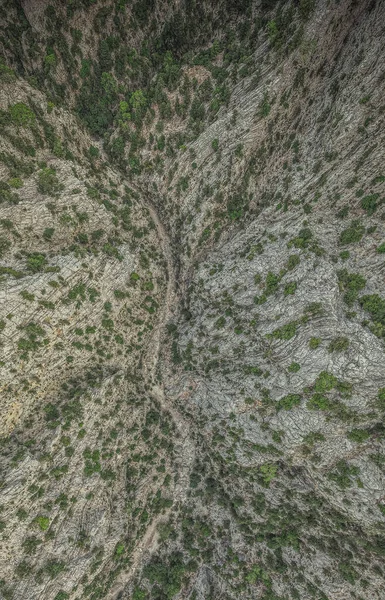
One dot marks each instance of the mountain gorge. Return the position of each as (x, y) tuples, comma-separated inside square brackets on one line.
[(192, 243)]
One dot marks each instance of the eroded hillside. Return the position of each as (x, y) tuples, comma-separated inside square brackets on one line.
[(192, 235)]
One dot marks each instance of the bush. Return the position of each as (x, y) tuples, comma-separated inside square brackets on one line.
[(31, 544), (302, 240), (375, 306), (54, 567), (294, 367), (134, 277), (325, 382), (352, 234), (268, 472), (290, 288), (15, 182), (289, 401), (272, 283), (6, 74), (313, 437), (286, 332), (93, 152), (319, 402), (369, 203), (119, 550), (381, 397), (293, 261), (61, 595), (348, 572), (358, 435), (338, 344), (167, 575), (352, 283), (381, 248), (31, 342), (7, 195), (4, 246), (48, 233), (139, 594), (265, 107), (314, 342), (21, 114), (47, 182), (219, 323), (42, 522), (36, 262)]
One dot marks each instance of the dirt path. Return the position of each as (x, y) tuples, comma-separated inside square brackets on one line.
[(184, 447)]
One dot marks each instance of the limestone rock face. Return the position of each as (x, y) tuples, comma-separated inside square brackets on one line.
[(192, 243)]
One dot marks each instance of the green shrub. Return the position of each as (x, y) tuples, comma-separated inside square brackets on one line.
[(294, 367), (51, 412), (369, 203), (139, 594), (358, 435), (30, 544), (42, 522), (313, 437), (272, 283), (343, 473), (302, 240), (7, 195), (375, 306), (325, 382), (314, 308), (21, 114), (21, 514), (168, 574), (15, 182), (286, 332), (27, 296), (54, 567), (348, 572), (268, 472), (219, 323), (48, 233), (381, 248), (93, 152), (351, 283), (314, 342), (290, 288), (265, 107), (36, 262), (119, 550), (4, 245), (289, 401), (61, 595), (381, 397), (32, 341), (293, 261), (47, 182), (352, 234), (306, 7), (338, 344), (134, 277), (319, 402), (6, 74)]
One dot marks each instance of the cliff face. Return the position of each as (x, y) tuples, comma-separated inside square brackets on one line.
[(192, 326)]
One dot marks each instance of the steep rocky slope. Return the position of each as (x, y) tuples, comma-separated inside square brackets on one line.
[(193, 306)]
